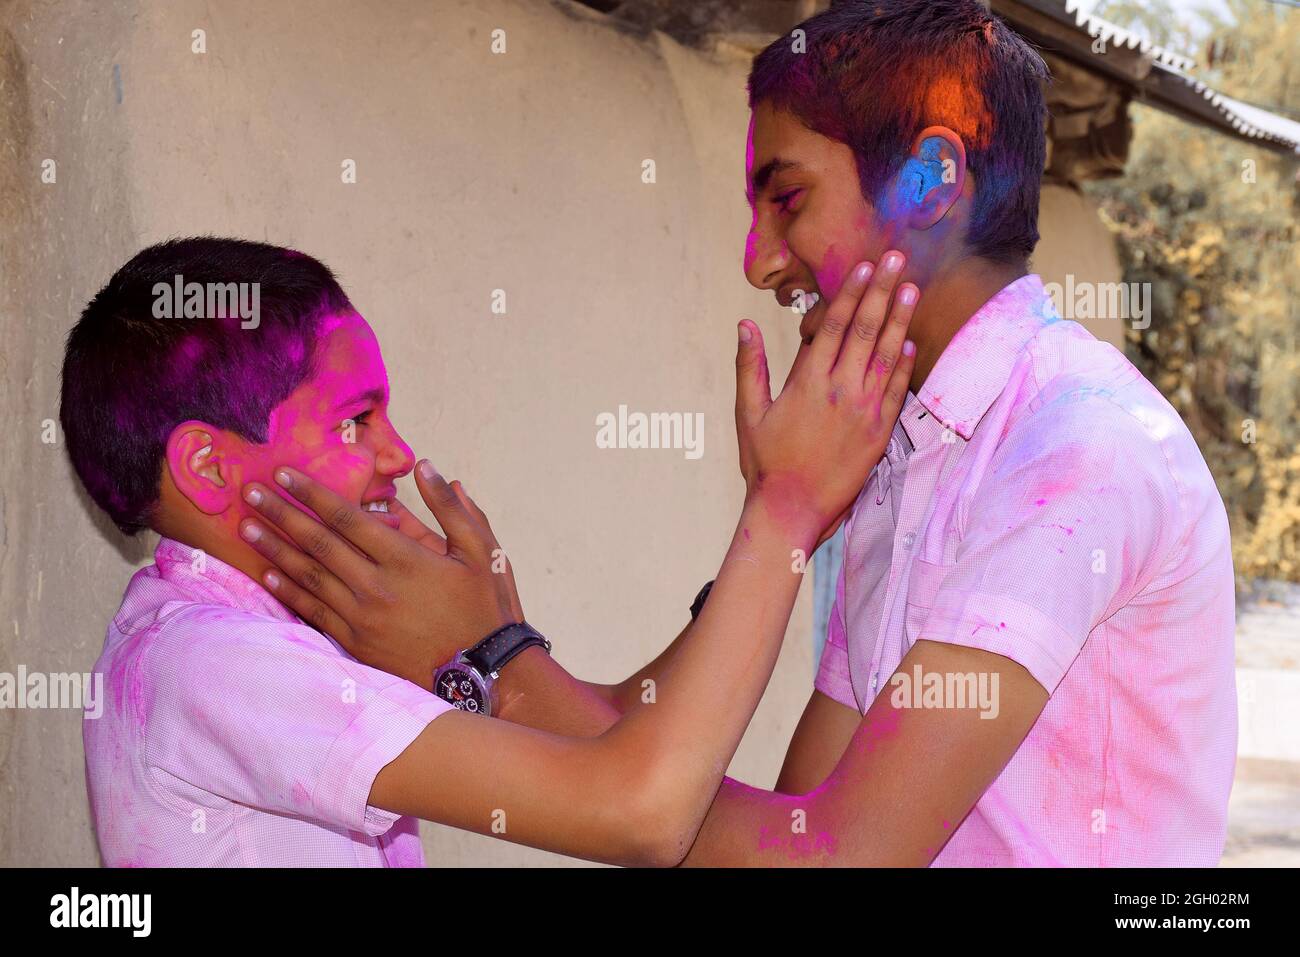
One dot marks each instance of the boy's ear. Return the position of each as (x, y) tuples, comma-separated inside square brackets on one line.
[(196, 462), (932, 177)]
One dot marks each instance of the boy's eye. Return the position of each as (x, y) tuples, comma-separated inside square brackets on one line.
[(361, 418), (784, 200)]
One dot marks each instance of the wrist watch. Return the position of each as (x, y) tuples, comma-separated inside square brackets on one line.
[(469, 680)]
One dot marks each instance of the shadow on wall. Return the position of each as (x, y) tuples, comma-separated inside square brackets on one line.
[(132, 548)]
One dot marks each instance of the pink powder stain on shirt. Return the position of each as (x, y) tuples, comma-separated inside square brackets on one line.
[(405, 853), (1066, 468), (235, 735), (1090, 749), (1069, 530), (125, 688), (138, 706), (115, 686)]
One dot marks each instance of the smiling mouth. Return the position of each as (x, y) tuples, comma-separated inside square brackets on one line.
[(383, 509), (805, 302), (802, 303), (797, 300)]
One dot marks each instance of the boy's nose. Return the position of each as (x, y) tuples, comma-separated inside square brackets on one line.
[(395, 458), (766, 257)]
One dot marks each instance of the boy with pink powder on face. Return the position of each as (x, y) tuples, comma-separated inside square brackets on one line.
[(236, 734), (1030, 658)]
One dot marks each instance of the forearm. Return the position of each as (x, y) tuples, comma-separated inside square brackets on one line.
[(796, 823), (643, 684), (690, 730), (542, 694), (638, 792), (538, 692), (680, 740), (750, 827), (902, 786)]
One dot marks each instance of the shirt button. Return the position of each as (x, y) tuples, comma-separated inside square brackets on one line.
[(909, 539)]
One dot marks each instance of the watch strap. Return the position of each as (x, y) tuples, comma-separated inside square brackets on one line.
[(495, 651), (698, 605)]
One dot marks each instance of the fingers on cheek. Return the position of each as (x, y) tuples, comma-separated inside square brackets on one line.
[(264, 507), (253, 532), (276, 511), (263, 541)]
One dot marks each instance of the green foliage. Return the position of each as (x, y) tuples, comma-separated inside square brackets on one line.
[(1210, 222)]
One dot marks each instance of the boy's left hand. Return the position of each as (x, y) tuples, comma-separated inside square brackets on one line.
[(414, 529), (404, 601)]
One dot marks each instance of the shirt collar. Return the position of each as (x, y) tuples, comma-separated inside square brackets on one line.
[(916, 424), (222, 584), (976, 365)]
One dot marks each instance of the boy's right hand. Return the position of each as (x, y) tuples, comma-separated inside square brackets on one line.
[(807, 455), (397, 600)]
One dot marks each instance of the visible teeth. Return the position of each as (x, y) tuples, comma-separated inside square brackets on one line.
[(377, 507), (804, 301)]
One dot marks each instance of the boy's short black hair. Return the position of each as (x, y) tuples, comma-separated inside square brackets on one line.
[(875, 73), (130, 376)]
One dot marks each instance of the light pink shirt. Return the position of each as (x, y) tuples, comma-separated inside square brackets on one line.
[(1066, 520), (235, 735)]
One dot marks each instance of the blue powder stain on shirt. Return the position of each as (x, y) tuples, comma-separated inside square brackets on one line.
[(117, 82)]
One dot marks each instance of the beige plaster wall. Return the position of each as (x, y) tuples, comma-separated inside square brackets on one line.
[(475, 172)]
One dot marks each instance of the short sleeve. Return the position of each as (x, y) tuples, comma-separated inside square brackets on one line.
[(271, 714), (1076, 511), (833, 671)]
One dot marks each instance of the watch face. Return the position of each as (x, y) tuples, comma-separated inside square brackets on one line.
[(458, 686)]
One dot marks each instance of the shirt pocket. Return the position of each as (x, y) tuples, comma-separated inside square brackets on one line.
[(922, 588)]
